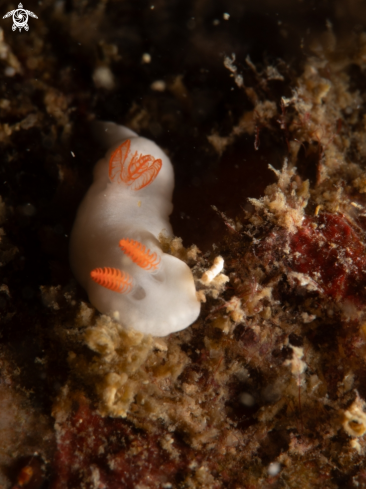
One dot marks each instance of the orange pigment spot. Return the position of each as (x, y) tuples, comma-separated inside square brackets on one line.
[(112, 279), (25, 475), (138, 253), (138, 172)]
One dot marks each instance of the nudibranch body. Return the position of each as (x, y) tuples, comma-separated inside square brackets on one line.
[(115, 253)]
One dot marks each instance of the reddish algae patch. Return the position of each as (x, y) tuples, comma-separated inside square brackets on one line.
[(331, 252), (109, 453)]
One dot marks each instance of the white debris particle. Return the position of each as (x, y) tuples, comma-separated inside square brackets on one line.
[(298, 366), (247, 399), (146, 58), (212, 272), (355, 444), (274, 468), (229, 64), (158, 86), (9, 71), (103, 78)]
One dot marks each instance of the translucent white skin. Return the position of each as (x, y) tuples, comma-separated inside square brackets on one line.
[(160, 302)]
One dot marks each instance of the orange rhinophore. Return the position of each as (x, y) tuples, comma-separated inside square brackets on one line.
[(112, 279), (139, 172), (138, 253)]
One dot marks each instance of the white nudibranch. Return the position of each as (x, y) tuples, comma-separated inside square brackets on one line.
[(115, 253)]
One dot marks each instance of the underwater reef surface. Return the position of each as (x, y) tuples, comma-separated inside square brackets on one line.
[(261, 109)]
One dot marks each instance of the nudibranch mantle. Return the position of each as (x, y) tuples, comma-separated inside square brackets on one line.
[(116, 233)]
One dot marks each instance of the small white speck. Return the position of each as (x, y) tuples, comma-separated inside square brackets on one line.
[(274, 468), (158, 86), (9, 71), (226, 16), (146, 58), (72, 154), (247, 399), (152, 7), (103, 78), (216, 22)]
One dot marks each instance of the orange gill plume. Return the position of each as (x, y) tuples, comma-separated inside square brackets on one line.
[(138, 253), (138, 173), (112, 279)]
